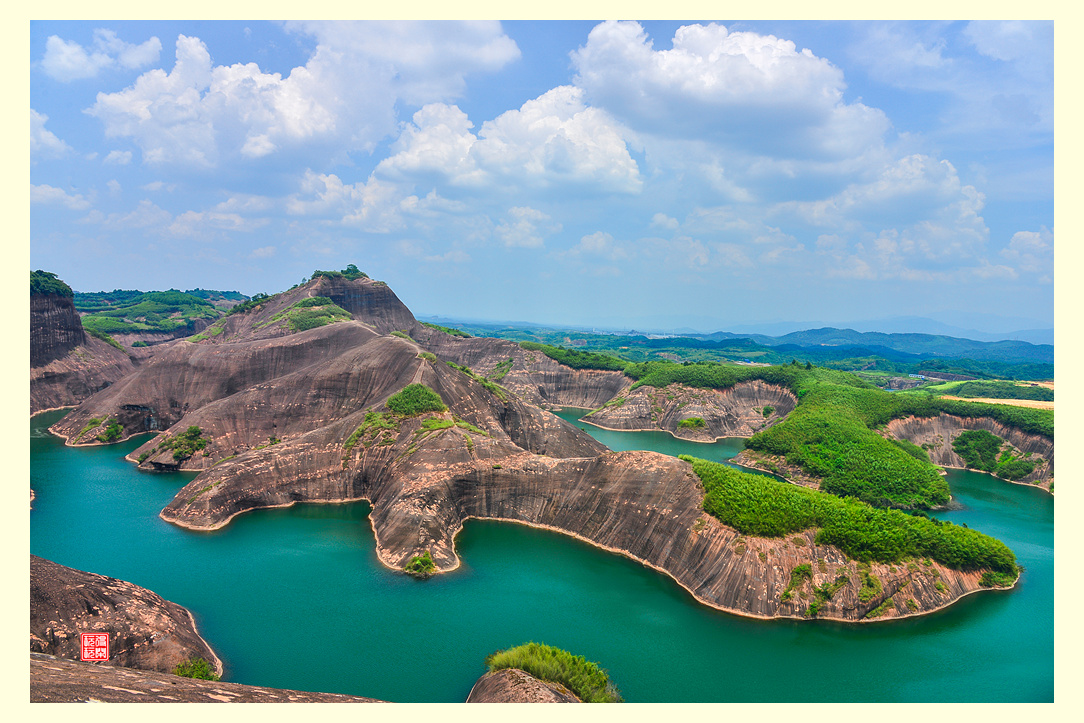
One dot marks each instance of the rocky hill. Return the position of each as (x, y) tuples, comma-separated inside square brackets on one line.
[(306, 397), (66, 364), (739, 411), (144, 630)]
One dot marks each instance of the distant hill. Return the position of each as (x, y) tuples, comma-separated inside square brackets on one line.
[(921, 345), (152, 316)]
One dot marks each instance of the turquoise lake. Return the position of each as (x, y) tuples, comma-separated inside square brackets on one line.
[(295, 598)]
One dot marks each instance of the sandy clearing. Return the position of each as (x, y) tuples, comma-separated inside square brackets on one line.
[(1011, 402)]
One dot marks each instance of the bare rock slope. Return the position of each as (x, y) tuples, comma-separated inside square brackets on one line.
[(288, 417), (740, 411), (516, 686), (57, 680), (145, 631)]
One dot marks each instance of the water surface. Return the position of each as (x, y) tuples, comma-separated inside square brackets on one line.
[(295, 598)]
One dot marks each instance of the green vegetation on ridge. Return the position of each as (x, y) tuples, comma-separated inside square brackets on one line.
[(310, 313), (153, 311), (575, 358), (256, 301), (831, 433), (350, 273), (184, 444), (765, 507), (585, 679), (981, 450), (998, 390), (416, 399), (46, 282), (447, 330), (492, 387)]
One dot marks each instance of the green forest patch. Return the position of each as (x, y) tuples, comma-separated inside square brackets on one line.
[(764, 507), (585, 679)]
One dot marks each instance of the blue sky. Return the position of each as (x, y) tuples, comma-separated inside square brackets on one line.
[(699, 173)]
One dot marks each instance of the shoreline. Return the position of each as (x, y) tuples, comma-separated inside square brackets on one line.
[(52, 409), (1001, 479), (655, 429), (698, 600), (379, 549), (219, 665)]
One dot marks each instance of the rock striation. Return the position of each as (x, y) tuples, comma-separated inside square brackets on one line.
[(56, 680), (66, 364), (739, 411), (294, 417), (936, 435), (55, 328), (532, 376), (145, 631), (511, 685)]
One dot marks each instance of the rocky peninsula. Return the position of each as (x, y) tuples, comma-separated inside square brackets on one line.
[(272, 414)]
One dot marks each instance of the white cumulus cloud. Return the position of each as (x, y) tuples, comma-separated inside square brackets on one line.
[(551, 141), (68, 60), (343, 99), (526, 227), (44, 143), (118, 158), (46, 194), (757, 92), (936, 215), (1032, 252), (373, 205), (600, 245)]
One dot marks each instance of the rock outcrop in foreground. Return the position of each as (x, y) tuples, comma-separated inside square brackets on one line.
[(145, 631), (516, 686), (56, 680), (285, 417)]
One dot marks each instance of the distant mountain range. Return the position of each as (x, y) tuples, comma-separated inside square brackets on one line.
[(924, 345), (973, 326), (905, 325)]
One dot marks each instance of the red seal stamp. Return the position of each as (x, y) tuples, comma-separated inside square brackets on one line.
[(94, 646)]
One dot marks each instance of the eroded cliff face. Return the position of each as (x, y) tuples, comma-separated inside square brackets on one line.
[(66, 364), (300, 417), (55, 328), (145, 631), (530, 375), (739, 411), (371, 301), (936, 435)]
